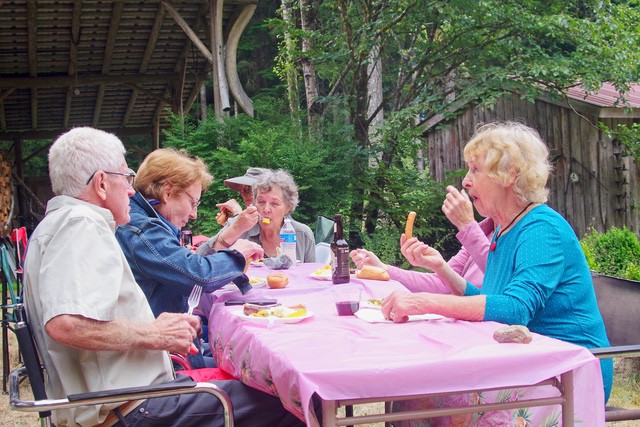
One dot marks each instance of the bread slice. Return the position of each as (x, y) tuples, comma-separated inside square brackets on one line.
[(372, 273)]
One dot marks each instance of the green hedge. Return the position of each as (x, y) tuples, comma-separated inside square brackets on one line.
[(615, 252)]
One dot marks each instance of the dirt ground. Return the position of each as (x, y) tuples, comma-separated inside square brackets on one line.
[(626, 394), (9, 418)]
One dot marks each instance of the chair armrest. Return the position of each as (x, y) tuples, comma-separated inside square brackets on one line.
[(114, 396), (616, 351), (131, 391)]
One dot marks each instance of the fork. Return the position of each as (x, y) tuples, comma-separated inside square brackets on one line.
[(194, 298)]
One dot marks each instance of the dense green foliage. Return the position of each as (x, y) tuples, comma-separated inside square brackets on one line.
[(436, 57), (320, 165), (615, 252), (322, 168)]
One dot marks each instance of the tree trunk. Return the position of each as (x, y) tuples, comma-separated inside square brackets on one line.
[(375, 116), (291, 74), (309, 24), (203, 102), (361, 163)]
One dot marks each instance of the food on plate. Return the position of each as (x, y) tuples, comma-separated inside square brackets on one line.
[(277, 280), (514, 333), (408, 229), (222, 216), (323, 271), (256, 280), (373, 273), (252, 309), (280, 311), (375, 301)]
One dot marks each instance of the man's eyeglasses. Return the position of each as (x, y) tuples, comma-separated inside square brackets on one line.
[(194, 202), (130, 176)]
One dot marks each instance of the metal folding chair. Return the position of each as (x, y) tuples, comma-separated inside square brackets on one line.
[(9, 301), (619, 303), (324, 230), (34, 372), (12, 260)]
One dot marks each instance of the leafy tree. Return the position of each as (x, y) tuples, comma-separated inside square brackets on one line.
[(272, 140), (439, 55)]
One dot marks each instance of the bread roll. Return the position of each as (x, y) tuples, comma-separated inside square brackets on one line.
[(372, 273), (514, 333), (222, 216), (277, 280)]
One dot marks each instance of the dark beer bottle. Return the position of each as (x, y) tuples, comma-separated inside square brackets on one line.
[(340, 254)]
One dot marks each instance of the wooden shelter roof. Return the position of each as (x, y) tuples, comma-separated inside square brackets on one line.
[(115, 65)]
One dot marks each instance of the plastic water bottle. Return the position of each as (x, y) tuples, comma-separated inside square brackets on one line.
[(288, 240)]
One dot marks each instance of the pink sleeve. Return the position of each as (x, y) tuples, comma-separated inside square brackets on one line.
[(417, 281), (470, 262), (475, 239)]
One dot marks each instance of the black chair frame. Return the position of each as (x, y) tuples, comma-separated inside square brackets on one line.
[(34, 372), (619, 303)]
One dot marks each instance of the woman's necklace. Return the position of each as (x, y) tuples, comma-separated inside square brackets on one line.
[(502, 230)]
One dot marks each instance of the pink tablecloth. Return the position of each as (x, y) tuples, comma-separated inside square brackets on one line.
[(345, 357)]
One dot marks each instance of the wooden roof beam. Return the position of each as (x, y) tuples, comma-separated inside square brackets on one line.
[(32, 42), (54, 133), (240, 22), (3, 118), (144, 64), (220, 85), (188, 31), (73, 58), (116, 14), (185, 50), (150, 94), (92, 80)]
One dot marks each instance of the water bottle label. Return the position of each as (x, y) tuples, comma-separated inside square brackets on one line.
[(287, 238)]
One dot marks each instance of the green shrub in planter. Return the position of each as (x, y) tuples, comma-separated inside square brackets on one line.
[(632, 272), (615, 252)]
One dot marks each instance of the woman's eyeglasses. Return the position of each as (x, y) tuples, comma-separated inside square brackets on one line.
[(129, 176), (194, 202)]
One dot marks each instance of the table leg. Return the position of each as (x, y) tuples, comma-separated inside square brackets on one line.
[(567, 407), (328, 413)]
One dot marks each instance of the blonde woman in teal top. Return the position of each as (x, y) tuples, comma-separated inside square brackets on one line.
[(536, 273)]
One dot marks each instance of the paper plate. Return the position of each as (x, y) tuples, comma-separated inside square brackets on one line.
[(271, 320), (321, 276), (257, 282)]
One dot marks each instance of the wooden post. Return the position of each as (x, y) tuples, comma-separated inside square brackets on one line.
[(220, 86)]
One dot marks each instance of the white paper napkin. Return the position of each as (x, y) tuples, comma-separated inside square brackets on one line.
[(373, 315)]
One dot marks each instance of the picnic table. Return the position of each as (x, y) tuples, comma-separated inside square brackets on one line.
[(345, 360)]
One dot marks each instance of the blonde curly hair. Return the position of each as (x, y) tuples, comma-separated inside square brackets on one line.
[(513, 149)]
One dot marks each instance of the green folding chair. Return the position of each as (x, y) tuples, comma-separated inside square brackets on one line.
[(324, 230), (9, 300), (12, 256)]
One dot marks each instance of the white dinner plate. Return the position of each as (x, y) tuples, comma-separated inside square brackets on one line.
[(257, 263), (325, 276), (256, 282), (270, 320), (373, 315)]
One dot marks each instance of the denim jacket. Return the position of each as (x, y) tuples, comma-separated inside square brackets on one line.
[(166, 271)]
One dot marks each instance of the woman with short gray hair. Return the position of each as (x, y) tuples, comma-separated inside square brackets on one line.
[(275, 195)]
